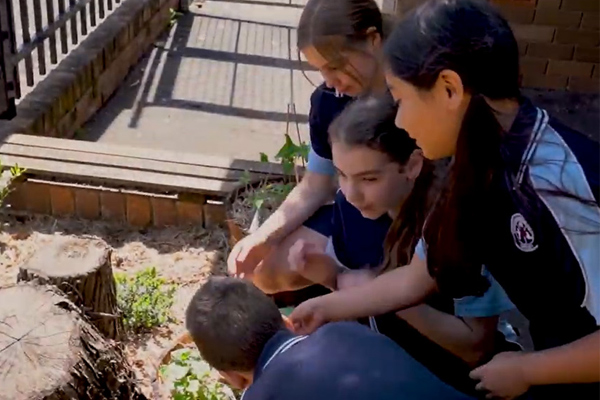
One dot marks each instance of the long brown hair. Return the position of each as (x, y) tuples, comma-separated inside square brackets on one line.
[(407, 227), (335, 26), (370, 122)]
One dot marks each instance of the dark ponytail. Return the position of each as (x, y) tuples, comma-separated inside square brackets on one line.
[(407, 227), (471, 38), (452, 231)]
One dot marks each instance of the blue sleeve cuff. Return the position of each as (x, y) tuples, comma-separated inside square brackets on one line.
[(319, 165), (494, 301), (420, 250)]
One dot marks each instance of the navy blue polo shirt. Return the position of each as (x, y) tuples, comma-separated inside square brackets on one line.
[(542, 242), (325, 106), (342, 361)]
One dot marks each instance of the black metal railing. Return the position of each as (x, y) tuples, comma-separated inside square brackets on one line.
[(28, 26)]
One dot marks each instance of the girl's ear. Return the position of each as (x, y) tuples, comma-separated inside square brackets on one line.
[(413, 167), (449, 87), (236, 380), (288, 323), (374, 37)]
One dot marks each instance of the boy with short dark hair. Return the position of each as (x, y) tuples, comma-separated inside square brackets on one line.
[(240, 332)]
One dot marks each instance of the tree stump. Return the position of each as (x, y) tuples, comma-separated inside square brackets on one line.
[(49, 352), (81, 269)]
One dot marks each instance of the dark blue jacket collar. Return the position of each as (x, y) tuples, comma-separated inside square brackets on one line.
[(516, 142), (272, 346)]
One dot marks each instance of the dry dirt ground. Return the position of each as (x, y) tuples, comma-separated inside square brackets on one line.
[(183, 256)]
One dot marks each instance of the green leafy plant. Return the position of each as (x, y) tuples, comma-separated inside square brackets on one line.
[(144, 299), (270, 194), (188, 377), (173, 16), (6, 183), (289, 154)]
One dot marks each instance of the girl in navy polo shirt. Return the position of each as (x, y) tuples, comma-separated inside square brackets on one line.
[(342, 39), (382, 172), (521, 202)]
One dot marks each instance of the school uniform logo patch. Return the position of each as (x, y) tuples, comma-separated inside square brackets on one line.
[(522, 233)]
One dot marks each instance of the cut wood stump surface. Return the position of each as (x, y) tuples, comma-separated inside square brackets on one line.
[(81, 269), (49, 352)]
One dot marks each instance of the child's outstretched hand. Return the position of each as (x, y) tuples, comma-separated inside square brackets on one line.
[(310, 315), (310, 261)]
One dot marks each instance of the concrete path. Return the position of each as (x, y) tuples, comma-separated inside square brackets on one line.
[(219, 83)]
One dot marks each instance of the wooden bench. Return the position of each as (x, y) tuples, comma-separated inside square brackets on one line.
[(131, 167), (127, 169)]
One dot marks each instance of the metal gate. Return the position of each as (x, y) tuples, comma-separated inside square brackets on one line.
[(8, 71)]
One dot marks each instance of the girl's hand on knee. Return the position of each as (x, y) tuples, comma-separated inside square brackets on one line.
[(310, 261), (297, 255), (502, 377)]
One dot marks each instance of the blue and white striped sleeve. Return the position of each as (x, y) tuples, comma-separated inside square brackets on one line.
[(578, 221), (494, 301)]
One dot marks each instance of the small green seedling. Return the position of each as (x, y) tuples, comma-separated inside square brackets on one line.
[(290, 153), (6, 188), (173, 16), (188, 377), (144, 300)]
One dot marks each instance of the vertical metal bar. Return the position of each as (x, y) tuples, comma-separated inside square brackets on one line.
[(63, 29), (109, 4), (52, 45), (83, 19), (9, 74), (37, 16), (26, 39), (101, 8), (184, 6), (73, 23), (93, 12)]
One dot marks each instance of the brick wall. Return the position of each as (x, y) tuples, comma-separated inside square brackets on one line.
[(558, 39), (139, 209), (86, 79)]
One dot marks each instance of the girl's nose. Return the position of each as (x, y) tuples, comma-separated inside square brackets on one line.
[(353, 195), (330, 80)]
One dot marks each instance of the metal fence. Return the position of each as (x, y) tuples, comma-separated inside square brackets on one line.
[(36, 35)]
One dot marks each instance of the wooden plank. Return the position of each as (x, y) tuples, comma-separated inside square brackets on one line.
[(205, 160), (169, 168), (114, 176)]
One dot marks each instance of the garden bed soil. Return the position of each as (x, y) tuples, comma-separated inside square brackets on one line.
[(184, 256)]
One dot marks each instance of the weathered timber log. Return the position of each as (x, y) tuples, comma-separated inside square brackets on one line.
[(81, 269), (48, 351)]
